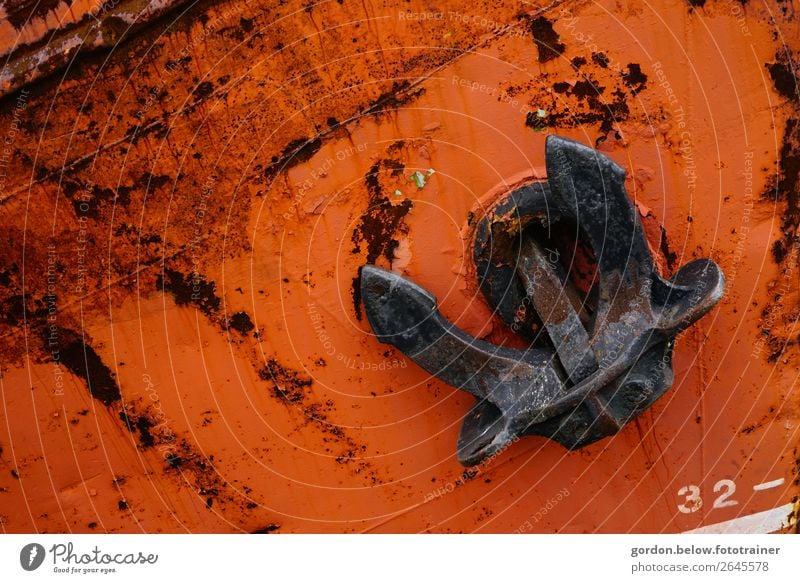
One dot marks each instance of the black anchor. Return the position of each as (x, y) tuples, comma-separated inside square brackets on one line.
[(595, 362)]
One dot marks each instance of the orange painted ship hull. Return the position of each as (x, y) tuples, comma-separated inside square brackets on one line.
[(184, 220)]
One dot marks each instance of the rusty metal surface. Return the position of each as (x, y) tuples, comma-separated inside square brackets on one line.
[(183, 217)]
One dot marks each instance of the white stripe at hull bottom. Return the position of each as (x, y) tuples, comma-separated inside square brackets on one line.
[(758, 523)]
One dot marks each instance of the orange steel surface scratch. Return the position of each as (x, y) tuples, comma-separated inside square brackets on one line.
[(193, 206)]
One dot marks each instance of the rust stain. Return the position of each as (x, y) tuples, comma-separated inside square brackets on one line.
[(382, 220)]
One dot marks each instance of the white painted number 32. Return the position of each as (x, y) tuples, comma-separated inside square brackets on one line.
[(691, 501)]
